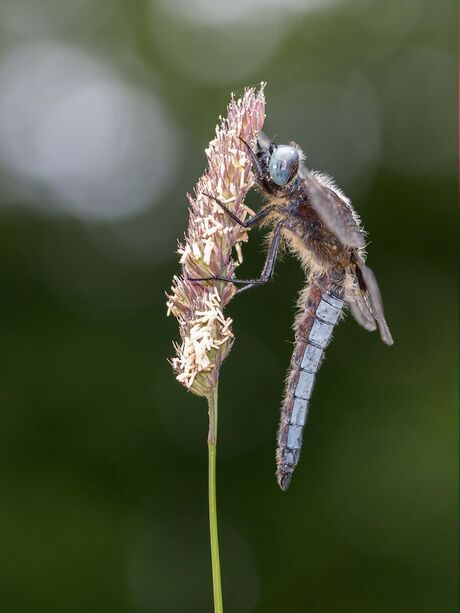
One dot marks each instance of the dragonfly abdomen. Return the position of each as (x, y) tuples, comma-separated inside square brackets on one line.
[(314, 326)]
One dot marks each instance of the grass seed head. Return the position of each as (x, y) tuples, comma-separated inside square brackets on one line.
[(207, 250)]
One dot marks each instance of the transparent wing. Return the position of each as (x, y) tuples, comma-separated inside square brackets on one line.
[(332, 210), (376, 304), (365, 302), (360, 310)]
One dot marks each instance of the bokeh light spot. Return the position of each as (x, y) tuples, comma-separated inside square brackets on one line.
[(99, 147)]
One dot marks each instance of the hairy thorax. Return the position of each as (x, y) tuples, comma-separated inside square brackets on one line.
[(317, 249)]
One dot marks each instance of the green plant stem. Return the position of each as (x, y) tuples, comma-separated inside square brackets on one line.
[(212, 452)]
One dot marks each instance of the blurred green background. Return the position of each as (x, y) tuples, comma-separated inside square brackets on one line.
[(105, 111)]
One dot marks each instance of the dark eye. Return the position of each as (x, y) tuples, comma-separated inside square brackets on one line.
[(283, 164)]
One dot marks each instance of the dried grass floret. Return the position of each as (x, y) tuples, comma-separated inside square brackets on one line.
[(207, 250)]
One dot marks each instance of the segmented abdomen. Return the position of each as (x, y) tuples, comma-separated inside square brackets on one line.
[(314, 326)]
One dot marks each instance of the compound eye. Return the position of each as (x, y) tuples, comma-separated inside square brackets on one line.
[(263, 142), (283, 165)]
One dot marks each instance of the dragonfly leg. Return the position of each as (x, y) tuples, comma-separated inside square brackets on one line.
[(259, 174), (267, 271), (250, 222), (254, 159), (270, 261)]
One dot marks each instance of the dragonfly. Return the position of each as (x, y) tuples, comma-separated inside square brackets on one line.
[(312, 217)]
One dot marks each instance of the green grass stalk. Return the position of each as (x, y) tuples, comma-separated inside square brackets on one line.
[(212, 498)]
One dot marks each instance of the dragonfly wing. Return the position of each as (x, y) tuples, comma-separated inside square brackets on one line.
[(375, 299), (361, 311), (332, 210)]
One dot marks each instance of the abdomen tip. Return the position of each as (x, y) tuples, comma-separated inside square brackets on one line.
[(284, 479)]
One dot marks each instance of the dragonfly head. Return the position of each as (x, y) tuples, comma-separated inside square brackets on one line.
[(283, 164)]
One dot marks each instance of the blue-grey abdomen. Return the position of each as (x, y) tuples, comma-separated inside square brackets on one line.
[(314, 331)]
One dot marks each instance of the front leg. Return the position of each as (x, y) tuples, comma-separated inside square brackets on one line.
[(261, 178), (248, 223), (267, 271)]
